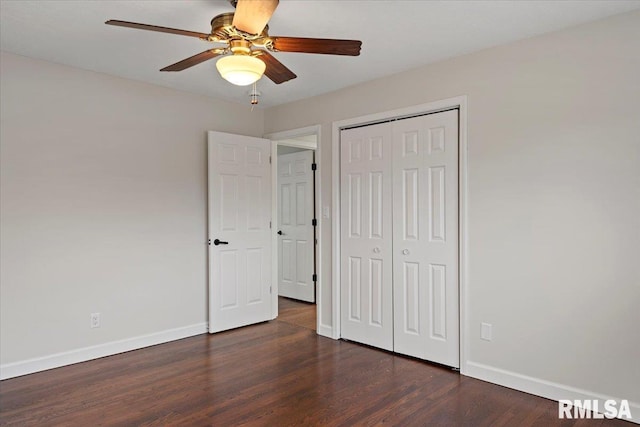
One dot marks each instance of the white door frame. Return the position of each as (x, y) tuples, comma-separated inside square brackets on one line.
[(459, 102), (278, 138)]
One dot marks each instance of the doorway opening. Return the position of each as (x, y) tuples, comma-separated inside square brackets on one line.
[(296, 227)]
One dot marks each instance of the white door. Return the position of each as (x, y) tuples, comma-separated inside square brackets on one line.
[(425, 237), (295, 227), (240, 238), (399, 236), (366, 235)]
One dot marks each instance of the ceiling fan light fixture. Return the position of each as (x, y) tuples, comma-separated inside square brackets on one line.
[(240, 70)]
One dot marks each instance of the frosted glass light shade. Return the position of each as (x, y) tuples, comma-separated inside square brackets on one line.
[(241, 70)]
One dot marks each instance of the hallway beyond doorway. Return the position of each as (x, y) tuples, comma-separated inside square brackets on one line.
[(297, 313)]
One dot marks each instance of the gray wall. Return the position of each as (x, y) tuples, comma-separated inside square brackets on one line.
[(554, 198), (103, 206)]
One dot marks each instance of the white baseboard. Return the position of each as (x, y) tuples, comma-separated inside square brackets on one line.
[(539, 387), (326, 331), (57, 360)]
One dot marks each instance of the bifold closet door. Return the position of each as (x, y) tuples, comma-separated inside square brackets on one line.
[(366, 235), (425, 237), (399, 236)]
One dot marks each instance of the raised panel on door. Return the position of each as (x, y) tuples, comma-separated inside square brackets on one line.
[(228, 273), (296, 234), (365, 246), (425, 237), (239, 214)]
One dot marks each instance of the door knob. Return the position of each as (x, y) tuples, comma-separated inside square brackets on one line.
[(219, 242), (280, 232), (376, 250), (405, 252)]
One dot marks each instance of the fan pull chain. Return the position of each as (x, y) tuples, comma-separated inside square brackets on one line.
[(254, 94)]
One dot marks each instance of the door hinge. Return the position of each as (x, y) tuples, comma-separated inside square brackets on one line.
[(314, 166), (269, 224), (314, 277), (269, 159), (270, 290), (314, 222), (315, 241)]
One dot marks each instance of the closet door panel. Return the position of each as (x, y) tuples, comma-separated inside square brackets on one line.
[(366, 235), (425, 237)]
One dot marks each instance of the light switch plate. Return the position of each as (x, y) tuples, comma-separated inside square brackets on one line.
[(485, 331)]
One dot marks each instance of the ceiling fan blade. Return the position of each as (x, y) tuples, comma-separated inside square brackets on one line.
[(276, 70), (324, 46), (156, 28), (194, 60), (251, 16)]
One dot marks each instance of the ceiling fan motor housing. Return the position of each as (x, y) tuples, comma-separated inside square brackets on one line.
[(222, 30)]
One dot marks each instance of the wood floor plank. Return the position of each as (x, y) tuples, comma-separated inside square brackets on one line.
[(277, 373), (297, 312)]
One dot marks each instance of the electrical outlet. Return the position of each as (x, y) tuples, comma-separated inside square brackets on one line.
[(485, 331), (95, 320)]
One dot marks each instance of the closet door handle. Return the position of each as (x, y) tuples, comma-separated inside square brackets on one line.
[(405, 252), (376, 250), (219, 242)]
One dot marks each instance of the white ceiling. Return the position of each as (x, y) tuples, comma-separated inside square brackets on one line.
[(396, 36)]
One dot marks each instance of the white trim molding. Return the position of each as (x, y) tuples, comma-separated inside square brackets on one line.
[(295, 133), (58, 360), (539, 387)]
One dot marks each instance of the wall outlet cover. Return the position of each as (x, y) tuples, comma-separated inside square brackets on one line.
[(95, 320)]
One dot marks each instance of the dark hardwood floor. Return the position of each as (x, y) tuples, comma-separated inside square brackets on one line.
[(297, 313), (278, 373)]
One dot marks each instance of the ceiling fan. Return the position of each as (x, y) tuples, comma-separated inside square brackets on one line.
[(247, 44)]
